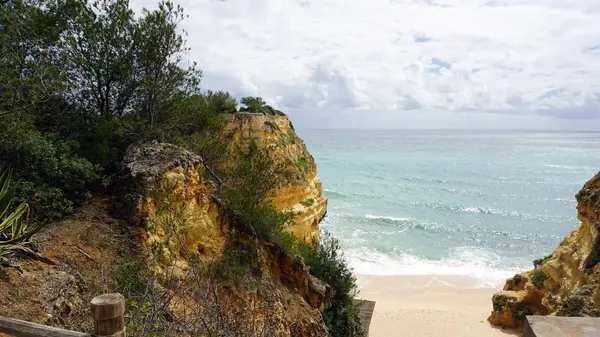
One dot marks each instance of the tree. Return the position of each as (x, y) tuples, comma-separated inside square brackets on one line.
[(28, 66), (249, 192), (121, 65), (222, 101), (253, 104), (100, 45), (258, 105), (160, 56)]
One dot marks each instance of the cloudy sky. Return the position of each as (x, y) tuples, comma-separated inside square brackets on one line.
[(531, 64)]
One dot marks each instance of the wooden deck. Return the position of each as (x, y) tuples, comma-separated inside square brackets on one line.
[(553, 326), (366, 313)]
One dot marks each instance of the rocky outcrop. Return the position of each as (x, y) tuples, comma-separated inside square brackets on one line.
[(566, 283), (162, 188), (301, 196)]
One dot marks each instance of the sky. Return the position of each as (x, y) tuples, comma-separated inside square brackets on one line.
[(505, 64)]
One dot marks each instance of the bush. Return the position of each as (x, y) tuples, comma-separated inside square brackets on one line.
[(248, 193), (537, 278), (51, 176), (517, 279), (308, 202), (541, 261), (326, 262)]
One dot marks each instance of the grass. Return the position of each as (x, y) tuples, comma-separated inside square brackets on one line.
[(308, 202), (127, 278), (303, 164)]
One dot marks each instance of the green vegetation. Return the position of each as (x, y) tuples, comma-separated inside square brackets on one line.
[(257, 105), (128, 279), (537, 278), (308, 202), (326, 262), (500, 301), (15, 230), (252, 179), (541, 261), (517, 279), (573, 305), (523, 312)]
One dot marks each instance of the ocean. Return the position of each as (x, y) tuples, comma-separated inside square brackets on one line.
[(477, 203)]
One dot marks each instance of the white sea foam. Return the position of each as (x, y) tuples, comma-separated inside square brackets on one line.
[(567, 167), (391, 218), (467, 261), (471, 209)]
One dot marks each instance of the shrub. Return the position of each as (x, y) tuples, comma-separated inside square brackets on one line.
[(52, 177), (308, 202), (573, 305), (537, 278), (517, 279), (541, 261), (499, 301), (326, 262), (523, 312), (128, 279), (251, 181)]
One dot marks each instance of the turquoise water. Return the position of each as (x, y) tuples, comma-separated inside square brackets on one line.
[(480, 203)]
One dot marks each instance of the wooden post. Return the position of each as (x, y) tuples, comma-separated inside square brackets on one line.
[(108, 311)]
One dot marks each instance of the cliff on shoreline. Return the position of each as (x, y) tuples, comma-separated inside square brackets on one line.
[(162, 224), (301, 196), (565, 283)]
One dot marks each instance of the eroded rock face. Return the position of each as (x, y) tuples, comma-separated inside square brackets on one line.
[(164, 190), (302, 195), (158, 177), (567, 283)]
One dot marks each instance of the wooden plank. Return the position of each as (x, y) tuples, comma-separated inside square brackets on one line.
[(18, 328), (553, 326), (366, 313)]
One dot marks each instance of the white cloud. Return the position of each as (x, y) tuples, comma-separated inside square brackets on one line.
[(513, 56)]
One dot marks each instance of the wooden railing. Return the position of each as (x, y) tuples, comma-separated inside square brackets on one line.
[(107, 310)]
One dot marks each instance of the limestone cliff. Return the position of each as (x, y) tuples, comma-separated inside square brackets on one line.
[(174, 249), (162, 189), (566, 283), (302, 195)]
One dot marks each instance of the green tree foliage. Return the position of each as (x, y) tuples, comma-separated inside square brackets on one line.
[(118, 64), (28, 66), (258, 105), (253, 104), (100, 43), (52, 177), (160, 58), (222, 101)]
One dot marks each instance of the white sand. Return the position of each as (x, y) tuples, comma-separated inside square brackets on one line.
[(429, 306)]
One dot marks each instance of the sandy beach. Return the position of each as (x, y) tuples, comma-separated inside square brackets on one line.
[(430, 306)]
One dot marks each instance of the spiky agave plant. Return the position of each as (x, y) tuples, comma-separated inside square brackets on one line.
[(15, 229)]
